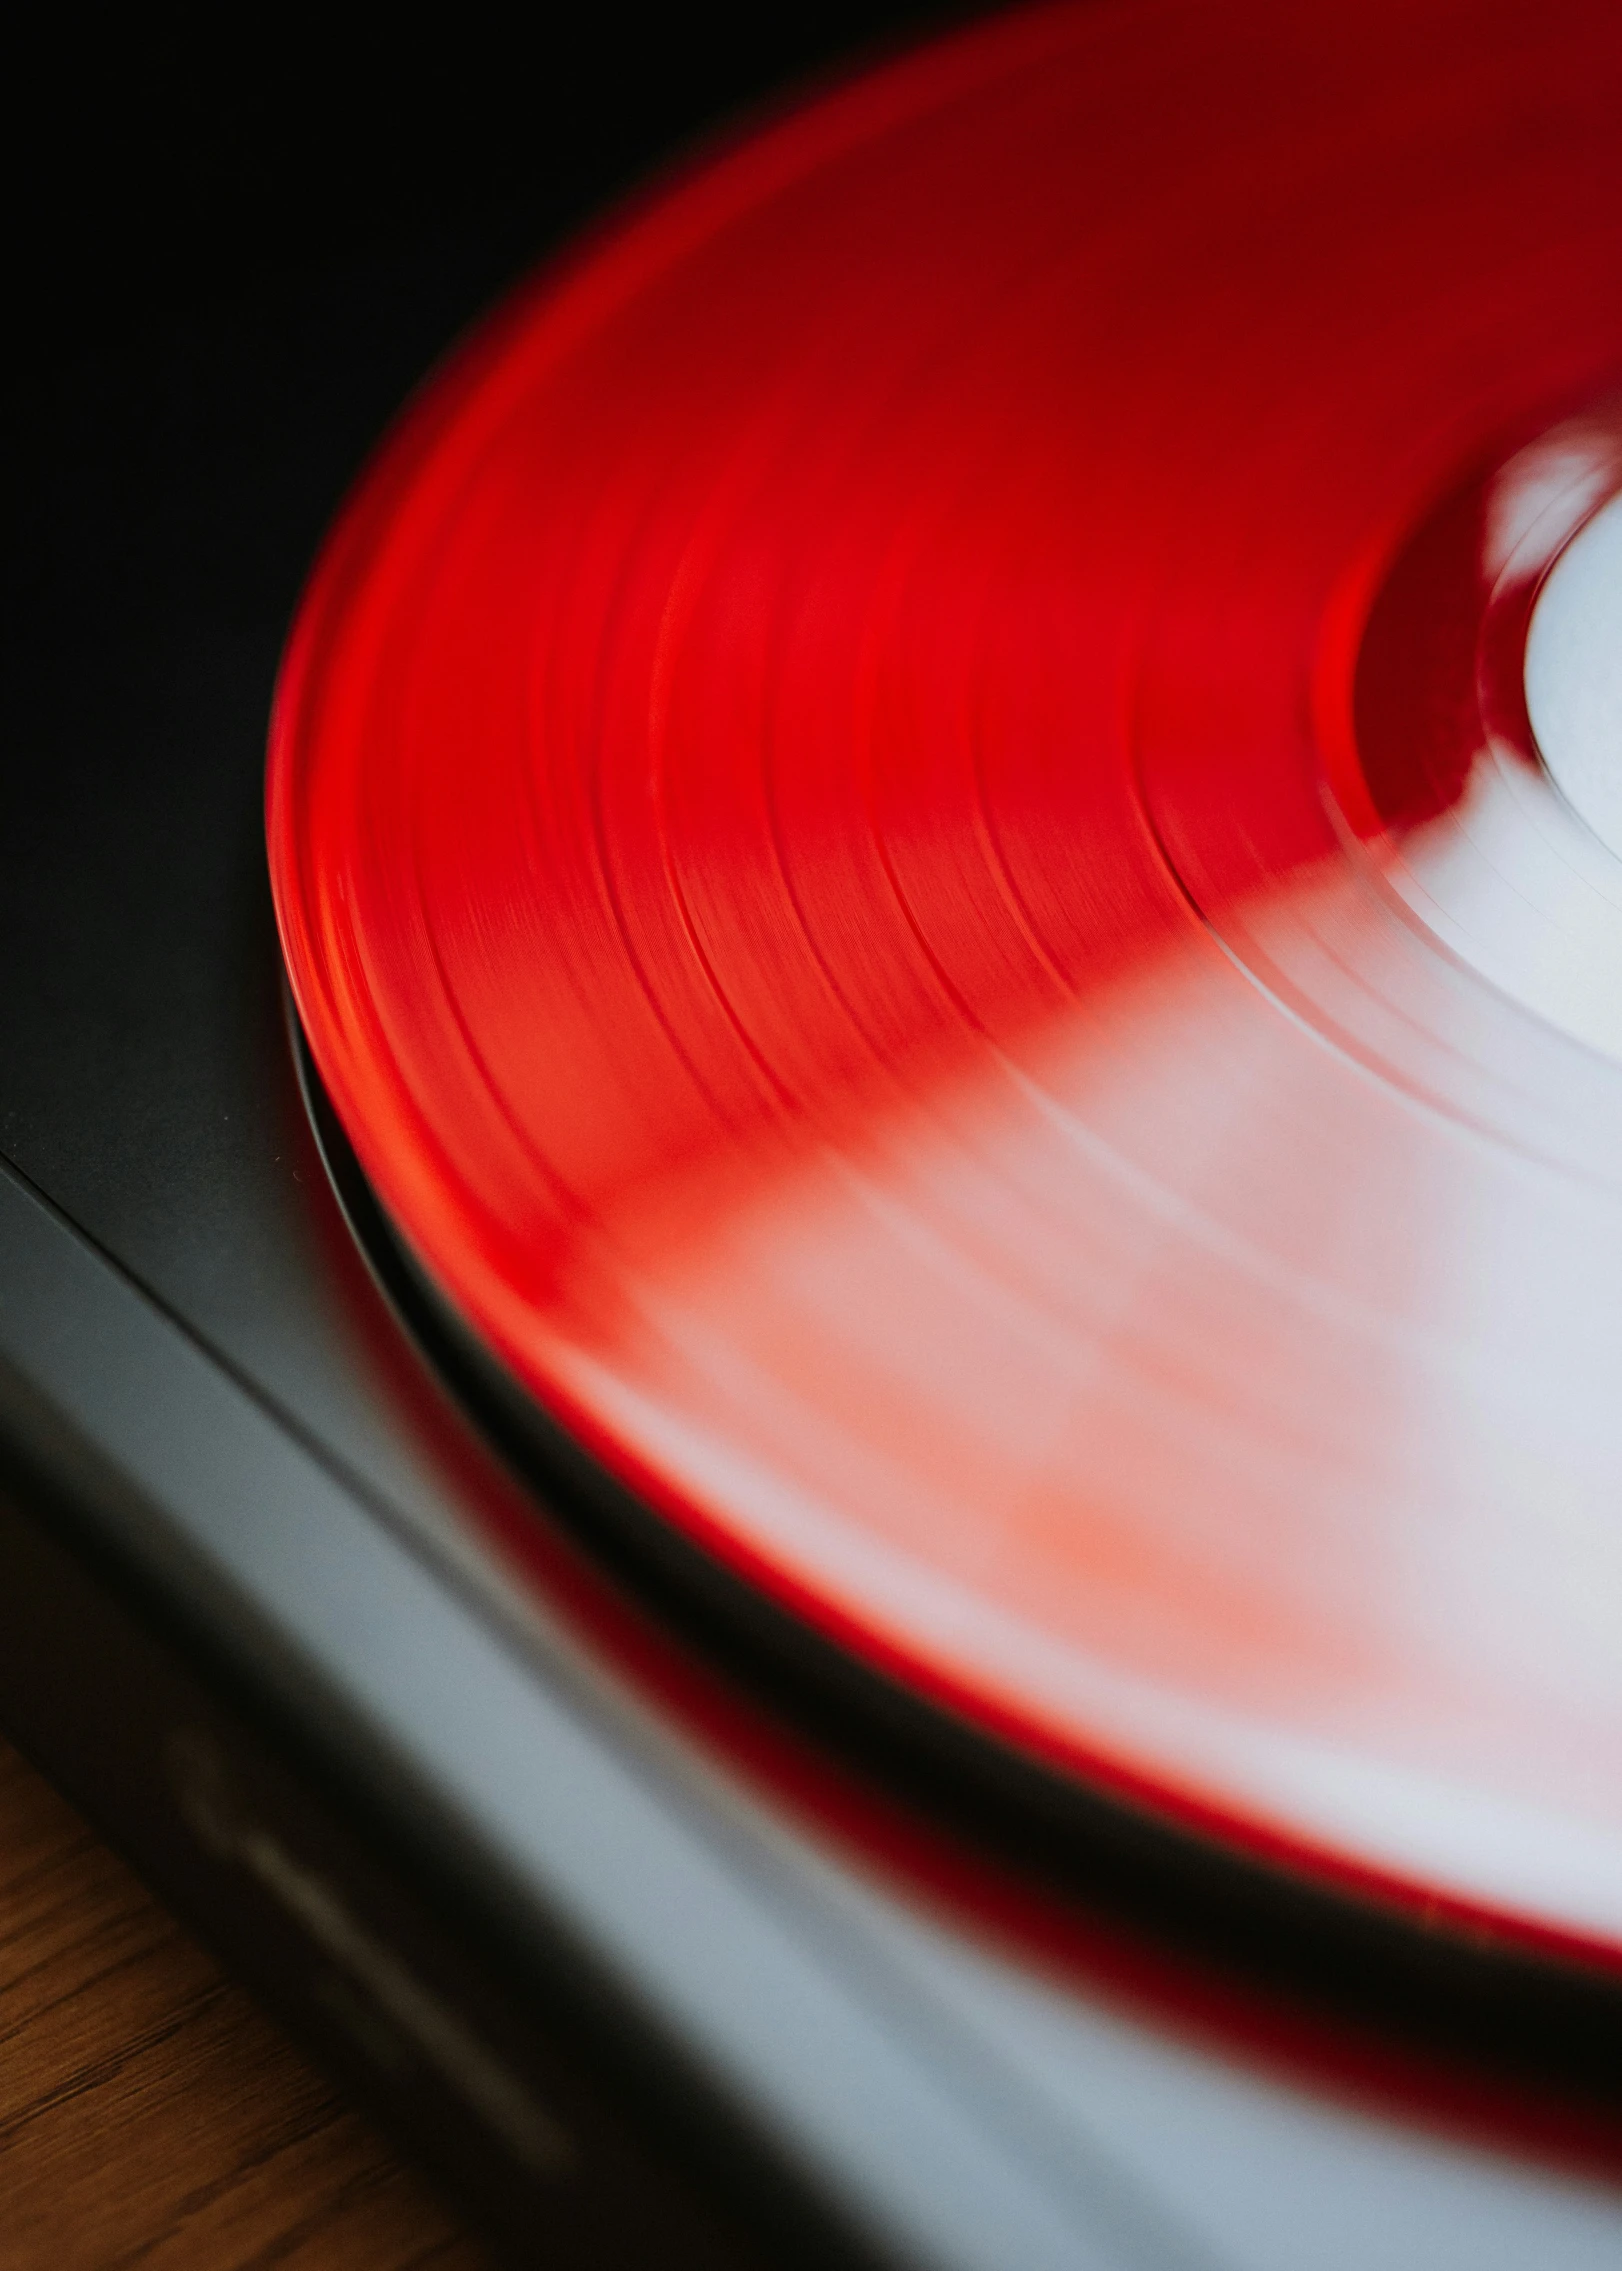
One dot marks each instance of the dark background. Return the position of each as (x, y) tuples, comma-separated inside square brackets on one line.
[(164, 162), (230, 248)]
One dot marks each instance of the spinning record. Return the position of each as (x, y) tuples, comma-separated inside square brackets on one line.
[(944, 827)]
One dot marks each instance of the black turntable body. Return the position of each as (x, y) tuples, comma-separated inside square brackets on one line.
[(657, 1938)]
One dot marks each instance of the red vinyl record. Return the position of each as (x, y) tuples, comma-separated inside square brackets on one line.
[(942, 825)]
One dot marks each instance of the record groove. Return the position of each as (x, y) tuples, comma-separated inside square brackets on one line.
[(903, 822)]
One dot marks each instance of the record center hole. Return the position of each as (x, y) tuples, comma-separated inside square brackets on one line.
[(1574, 674)]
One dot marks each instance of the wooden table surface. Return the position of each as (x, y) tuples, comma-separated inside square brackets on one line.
[(150, 2113)]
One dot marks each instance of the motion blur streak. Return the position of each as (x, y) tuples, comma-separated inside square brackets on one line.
[(907, 833)]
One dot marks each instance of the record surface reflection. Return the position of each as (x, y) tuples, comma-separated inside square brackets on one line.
[(909, 838)]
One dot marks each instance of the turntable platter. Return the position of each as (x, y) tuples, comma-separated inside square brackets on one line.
[(909, 837)]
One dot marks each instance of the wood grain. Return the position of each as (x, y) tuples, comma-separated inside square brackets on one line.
[(150, 2114)]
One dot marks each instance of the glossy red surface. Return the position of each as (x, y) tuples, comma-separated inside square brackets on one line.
[(895, 814)]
